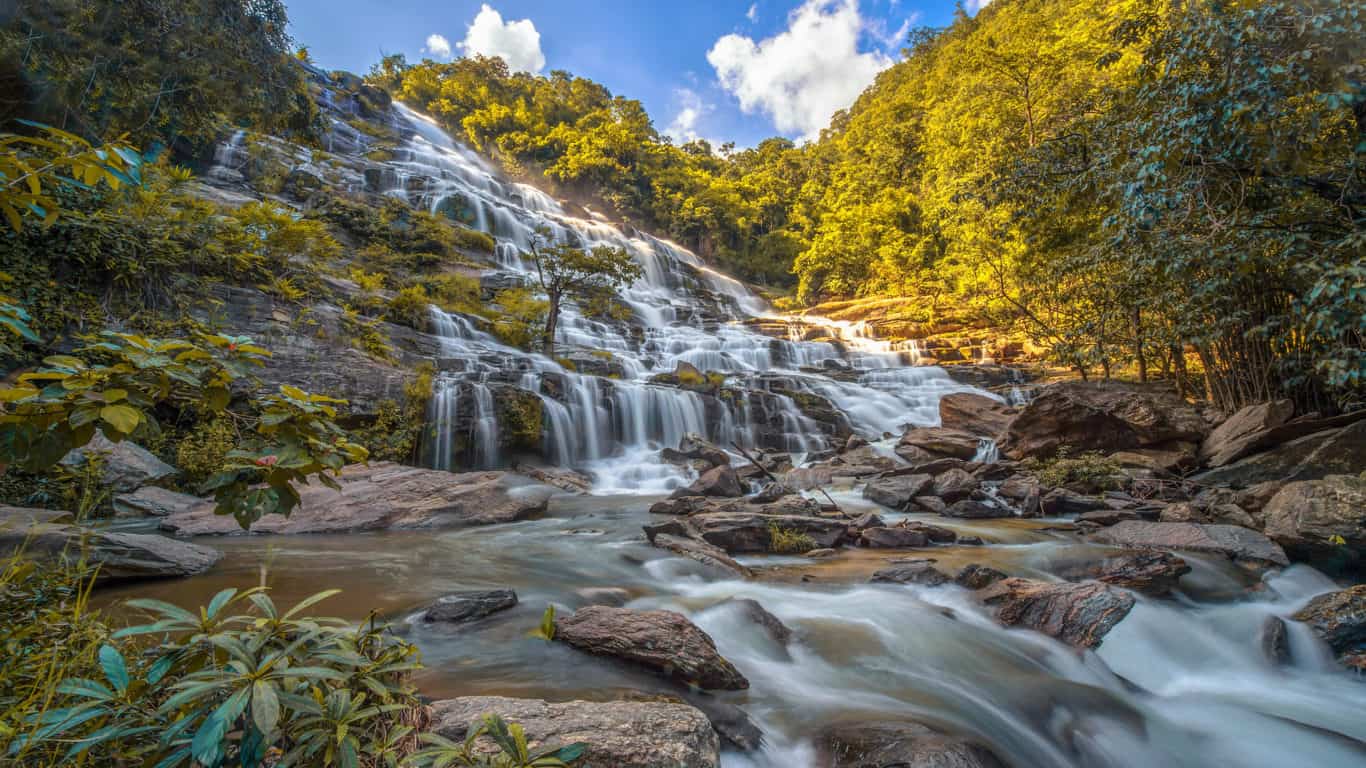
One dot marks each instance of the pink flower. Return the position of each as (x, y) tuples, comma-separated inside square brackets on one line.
[(267, 461)]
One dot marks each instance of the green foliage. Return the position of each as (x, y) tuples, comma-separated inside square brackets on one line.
[(507, 737), (200, 451), (569, 274), (1087, 472), (367, 334), (522, 319), (409, 307), (786, 541), (31, 167), (396, 433)]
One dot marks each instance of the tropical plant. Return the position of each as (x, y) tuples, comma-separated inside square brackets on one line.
[(510, 741), (33, 167)]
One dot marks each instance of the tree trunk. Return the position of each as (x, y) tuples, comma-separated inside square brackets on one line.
[(552, 321), (1137, 320)]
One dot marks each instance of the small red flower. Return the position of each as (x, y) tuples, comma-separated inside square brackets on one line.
[(267, 461), (232, 347)]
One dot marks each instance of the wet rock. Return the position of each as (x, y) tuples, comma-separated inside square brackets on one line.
[(1194, 512), (974, 414), (1339, 451), (896, 492), (953, 485), (1241, 432), (679, 528), (1077, 614), (866, 520), (1240, 544), (567, 480), (972, 509), (663, 641), (695, 446), (940, 441), (976, 576), (702, 552), (821, 554), (1338, 619), (383, 495), (1276, 640), (1061, 501), (717, 481), (702, 505), (462, 607), (920, 572), (772, 625), (1152, 573), (152, 501), (613, 596), (931, 504), (126, 466), (1320, 519), (770, 493), (1102, 416), (1157, 461), (754, 533), (892, 538), (120, 556), (860, 462), (1103, 517), (897, 744), (621, 734), (934, 533), (22, 517)]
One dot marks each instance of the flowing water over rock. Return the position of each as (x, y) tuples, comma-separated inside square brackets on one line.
[(1183, 682)]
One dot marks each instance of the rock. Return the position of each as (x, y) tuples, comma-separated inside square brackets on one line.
[(1338, 619), (953, 485), (604, 595), (896, 492), (1240, 544), (976, 576), (717, 481), (461, 607), (567, 480), (939, 441), (1019, 486), (621, 734), (753, 532), (866, 520), (701, 505), (1107, 516), (770, 493), (1238, 435), (695, 446), (1276, 640), (806, 478), (703, 553), (920, 572), (1193, 512), (860, 462), (1061, 501), (1308, 516), (934, 533), (776, 629), (931, 504), (974, 414), (120, 556), (937, 467), (1340, 451), (892, 538), (821, 554), (380, 496), (972, 509), (151, 501), (1154, 460), (1102, 416), (664, 641), (22, 517), (1077, 614), (897, 744), (1152, 573), (126, 466)]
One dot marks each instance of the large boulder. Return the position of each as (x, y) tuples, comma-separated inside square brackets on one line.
[(125, 465), (755, 533), (1339, 619), (1152, 573), (470, 605), (694, 446), (920, 572), (940, 441), (1337, 451), (621, 734), (897, 491), (1315, 519), (954, 484), (384, 495), (1061, 501), (1100, 416), (152, 501), (717, 481), (897, 744), (702, 552), (664, 641), (120, 556), (1240, 433), (791, 504), (893, 538), (1077, 614), (975, 414), (1240, 544)]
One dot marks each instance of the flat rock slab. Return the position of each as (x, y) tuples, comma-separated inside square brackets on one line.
[(1077, 614), (896, 492), (619, 734), (380, 496), (1238, 543), (754, 533), (1152, 573), (461, 607), (125, 465), (663, 641), (22, 517), (897, 744), (702, 552), (1320, 519), (151, 501), (120, 556), (1339, 619), (920, 572)]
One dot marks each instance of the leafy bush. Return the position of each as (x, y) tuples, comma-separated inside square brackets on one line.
[(202, 449), (786, 541), (1088, 472), (409, 307), (522, 319)]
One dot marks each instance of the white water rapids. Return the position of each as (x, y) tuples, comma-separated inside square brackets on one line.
[(1177, 683)]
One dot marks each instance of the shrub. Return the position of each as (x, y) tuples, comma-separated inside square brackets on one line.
[(409, 307), (202, 449), (522, 319), (1088, 472), (786, 541)]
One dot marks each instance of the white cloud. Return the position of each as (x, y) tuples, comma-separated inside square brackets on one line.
[(802, 75), (691, 109), (438, 46), (753, 13), (516, 42), (974, 6)]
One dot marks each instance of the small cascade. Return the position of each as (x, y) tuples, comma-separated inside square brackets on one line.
[(229, 158), (987, 451)]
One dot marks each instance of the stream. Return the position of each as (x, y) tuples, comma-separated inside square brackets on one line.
[(1180, 682)]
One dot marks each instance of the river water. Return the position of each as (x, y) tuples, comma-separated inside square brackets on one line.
[(1180, 682)]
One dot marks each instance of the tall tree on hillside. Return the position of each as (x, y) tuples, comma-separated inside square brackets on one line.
[(576, 275)]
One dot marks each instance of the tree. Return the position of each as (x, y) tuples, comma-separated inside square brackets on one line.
[(575, 275)]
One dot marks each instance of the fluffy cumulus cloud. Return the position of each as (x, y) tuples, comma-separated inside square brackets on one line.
[(438, 46), (802, 75), (516, 42), (974, 6), (691, 109)]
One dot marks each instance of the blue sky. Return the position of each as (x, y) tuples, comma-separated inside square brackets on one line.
[(737, 70)]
